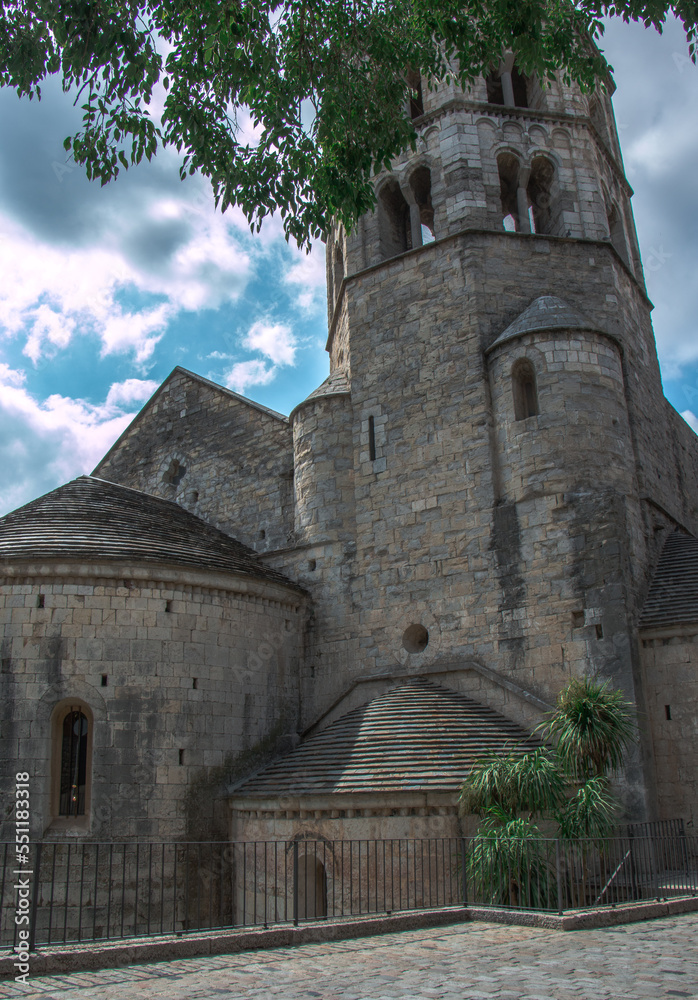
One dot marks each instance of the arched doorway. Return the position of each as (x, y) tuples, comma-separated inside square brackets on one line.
[(312, 888)]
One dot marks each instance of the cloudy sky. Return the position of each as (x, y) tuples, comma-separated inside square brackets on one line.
[(104, 290)]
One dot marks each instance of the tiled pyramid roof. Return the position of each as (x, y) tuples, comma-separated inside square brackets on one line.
[(673, 594), (419, 736), (91, 519)]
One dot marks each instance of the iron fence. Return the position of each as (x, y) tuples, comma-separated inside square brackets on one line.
[(86, 891)]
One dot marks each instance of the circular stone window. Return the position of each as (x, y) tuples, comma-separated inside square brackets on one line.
[(415, 639)]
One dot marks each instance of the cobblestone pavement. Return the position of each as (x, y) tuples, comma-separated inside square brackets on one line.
[(474, 961)]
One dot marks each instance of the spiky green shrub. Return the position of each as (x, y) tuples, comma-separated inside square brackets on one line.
[(509, 862), (592, 726)]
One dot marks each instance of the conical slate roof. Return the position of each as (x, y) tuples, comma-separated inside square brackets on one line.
[(545, 313), (417, 737), (673, 594), (336, 384), (91, 520)]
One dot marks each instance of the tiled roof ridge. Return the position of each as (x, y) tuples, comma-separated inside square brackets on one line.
[(672, 598), (92, 519), (418, 734)]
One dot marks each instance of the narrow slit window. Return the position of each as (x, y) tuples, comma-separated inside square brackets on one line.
[(372, 439), (524, 390), (73, 764)]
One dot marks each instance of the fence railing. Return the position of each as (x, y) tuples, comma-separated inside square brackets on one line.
[(78, 892)]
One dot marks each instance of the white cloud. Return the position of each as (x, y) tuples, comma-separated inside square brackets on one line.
[(43, 443), (11, 376), (138, 332), (247, 373), (307, 277), (173, 250), (131, 390), (274, 340), (691, 419), (278, 345)]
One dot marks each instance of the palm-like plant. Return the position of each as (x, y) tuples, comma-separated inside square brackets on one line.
[(592, 725), (508, 862), (590, 814), (532, 783), (509, 865)]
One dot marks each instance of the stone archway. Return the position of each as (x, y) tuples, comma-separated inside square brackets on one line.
[(312, 887)]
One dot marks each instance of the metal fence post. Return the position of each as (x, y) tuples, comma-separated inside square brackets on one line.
[(559, 876), (464, 871), (295, 883), (35, 897)]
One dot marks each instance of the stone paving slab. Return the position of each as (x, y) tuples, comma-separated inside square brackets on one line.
[(473, 961)]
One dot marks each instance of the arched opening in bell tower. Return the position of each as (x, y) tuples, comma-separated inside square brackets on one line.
[(414, 82), (519, 84), (338, 269), (420, 182), (509, 168), (393, 220), (616, 231), (508, 88), (540, 195)]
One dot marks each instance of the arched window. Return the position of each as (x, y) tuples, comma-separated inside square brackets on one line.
[(540, 194), (414, 82), (519, 84), (72, 761), (598, 118), (508, 167), (393, 220), (420, 182), (338, 269), (312, 887), (508, 88), (495, 94), (523, 383), (73, 764), (616, 231)]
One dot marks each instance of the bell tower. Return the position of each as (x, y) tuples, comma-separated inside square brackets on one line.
[(509, 155), (512, 463)]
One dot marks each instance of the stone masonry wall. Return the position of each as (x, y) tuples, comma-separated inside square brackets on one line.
[(238, 459), (670, 663), (182, 673)]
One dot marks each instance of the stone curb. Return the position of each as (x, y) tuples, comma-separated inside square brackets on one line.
[(90, 958)]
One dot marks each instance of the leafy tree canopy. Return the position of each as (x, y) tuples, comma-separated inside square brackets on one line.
[(324, 82)]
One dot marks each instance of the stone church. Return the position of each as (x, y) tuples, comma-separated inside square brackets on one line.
[(256, 626)]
